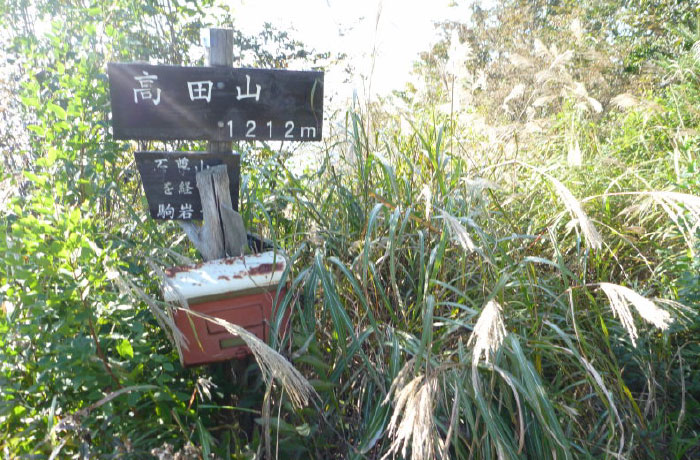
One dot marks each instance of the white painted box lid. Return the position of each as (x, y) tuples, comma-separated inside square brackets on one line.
[(224, 276)]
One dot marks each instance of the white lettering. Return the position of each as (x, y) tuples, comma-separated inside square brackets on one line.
[(290, 127), (165, 211), (182, 164), (200, 90), (168, 188), (251, 127), (185, 188), (248, 94), (308, 131), (185, 211), (145, 90)]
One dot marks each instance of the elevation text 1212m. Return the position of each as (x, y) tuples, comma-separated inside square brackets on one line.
[(215, 103)]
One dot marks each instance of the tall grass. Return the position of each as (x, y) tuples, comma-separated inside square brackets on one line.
[(447, 307)]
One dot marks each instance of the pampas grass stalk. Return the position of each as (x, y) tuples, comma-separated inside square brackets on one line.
[(488, 333), (412, 419), (590, 233), (459, 233), (621, 298)]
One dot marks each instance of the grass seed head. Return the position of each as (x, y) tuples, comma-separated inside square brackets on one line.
[(621, 298), (590, 233), (412, 420), (488, 333)]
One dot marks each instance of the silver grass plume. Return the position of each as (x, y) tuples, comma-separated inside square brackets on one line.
[(517, 91), (561, 59), (590, 233), (574, 157), (627, 101), (520, 61), (674, 203), (578, 90), (621, 298), (412, 418), (576, 29), (459, 233), (488, 334)]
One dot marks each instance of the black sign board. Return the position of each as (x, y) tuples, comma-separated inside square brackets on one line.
[(215, 103), (169, 181)]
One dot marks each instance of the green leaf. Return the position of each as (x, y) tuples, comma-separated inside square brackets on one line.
[(57, 110), (125, 349), (304, 430)]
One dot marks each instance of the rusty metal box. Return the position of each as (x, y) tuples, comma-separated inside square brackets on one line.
[(240, 290)]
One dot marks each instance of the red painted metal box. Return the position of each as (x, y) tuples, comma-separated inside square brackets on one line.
[(240, 290)]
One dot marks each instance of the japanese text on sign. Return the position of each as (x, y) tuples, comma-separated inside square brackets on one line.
[(169, 181), (215, 103)]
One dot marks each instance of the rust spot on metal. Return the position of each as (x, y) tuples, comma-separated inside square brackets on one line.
[(223, 277), (264, 269), (172, 271), (261, 269), (232, 260)]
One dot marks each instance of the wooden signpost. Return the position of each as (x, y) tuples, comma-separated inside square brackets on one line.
[(219, 104), (216, 103)]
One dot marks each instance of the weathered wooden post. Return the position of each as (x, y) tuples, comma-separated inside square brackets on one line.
[(223, 232), (219, 104)]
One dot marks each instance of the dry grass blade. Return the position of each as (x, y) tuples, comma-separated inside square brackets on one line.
[(488, 333), (608, 395), (165, 321), (445, 446), (272, 364), (621, 298)]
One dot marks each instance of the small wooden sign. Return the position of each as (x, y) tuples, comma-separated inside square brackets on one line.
[(215, 103), (169, 181)]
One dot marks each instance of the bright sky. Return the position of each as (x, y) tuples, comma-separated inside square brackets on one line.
[(393, 31)]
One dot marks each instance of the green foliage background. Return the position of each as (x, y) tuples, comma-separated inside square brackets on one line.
[(379, 281)]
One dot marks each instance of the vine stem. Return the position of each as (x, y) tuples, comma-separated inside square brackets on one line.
[(100, 352)]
